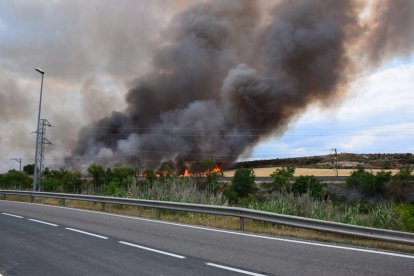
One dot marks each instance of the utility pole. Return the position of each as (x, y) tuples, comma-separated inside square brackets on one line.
[(335, 161), (18, 160)]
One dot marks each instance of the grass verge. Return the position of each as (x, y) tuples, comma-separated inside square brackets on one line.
[(222, 222)]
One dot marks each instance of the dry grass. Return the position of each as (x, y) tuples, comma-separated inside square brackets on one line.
[(265, 172), (229, 223)]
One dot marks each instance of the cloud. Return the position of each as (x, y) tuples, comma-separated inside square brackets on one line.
[(376, 116)]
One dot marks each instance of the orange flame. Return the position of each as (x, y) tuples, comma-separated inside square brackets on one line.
[(216, 169), (185, 173)]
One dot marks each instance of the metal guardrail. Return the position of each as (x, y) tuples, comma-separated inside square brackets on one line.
[(241, 213)]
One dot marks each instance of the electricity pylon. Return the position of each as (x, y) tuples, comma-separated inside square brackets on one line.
[(42, 142)]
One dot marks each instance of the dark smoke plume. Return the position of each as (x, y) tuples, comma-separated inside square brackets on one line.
[(228, 76)]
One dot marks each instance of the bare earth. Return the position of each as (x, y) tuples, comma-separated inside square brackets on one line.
[(263, 172)]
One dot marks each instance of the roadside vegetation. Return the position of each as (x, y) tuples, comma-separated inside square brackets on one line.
[(383, 202)]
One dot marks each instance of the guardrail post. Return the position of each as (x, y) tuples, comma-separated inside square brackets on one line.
[(242, 223), (62, 201), (4, 196), (157, 213), (103, 206), (31, 199)]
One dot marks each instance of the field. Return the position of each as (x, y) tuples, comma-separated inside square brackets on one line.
[(263, 172)]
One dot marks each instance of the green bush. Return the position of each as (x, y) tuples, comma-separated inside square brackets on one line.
[(406, 211), (15, 180), (242, 185), (150, 176), (51, 185), (282, 179), (375, 186), (111, 189), (213, 181), (369, 183), (308, 183), (400, 185)]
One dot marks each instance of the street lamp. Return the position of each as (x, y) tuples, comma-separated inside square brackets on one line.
[(36, 169)]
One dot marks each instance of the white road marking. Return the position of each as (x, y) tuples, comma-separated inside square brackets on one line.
[(236, 233), (11, 215), (43, 222), (235, 269), (87, 233), (153, 250)]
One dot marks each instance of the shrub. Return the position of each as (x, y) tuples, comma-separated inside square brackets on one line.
[(98, 174), (51, 185), (150, 176), (213, 181), (282, 179), (406, 211), (241, 185), (14, 179), (399, 185), (111, 189), (308, 183), (369, 183), (376, 185)]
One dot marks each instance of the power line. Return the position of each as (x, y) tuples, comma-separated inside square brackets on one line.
[(232, 129)]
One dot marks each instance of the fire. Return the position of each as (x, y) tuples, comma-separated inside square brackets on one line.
[(185, 173), (215, 169)]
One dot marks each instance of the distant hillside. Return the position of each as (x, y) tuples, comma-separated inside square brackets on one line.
[(345, 160)]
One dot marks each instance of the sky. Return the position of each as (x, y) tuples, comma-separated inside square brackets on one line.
[(375, 116), (94, 51)]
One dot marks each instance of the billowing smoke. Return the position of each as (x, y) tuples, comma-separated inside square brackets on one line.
[(230, 73)]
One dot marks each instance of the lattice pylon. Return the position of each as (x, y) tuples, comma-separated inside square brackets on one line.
[(42, 142)]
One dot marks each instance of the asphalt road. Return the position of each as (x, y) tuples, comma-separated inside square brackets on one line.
[(50, 240)]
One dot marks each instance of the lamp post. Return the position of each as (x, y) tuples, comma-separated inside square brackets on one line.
[(36, 169)]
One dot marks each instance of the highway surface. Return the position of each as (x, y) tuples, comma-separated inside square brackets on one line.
[(50, 240)]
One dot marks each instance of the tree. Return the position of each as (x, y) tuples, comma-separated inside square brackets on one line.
[(203, 166), (150, 176), (122, 176), (29, 169), (308, 183), (165, 172), (369, 183), (72, 182), (400, 184), (15, 180), (242, 184), (98, 174), (282, 179)]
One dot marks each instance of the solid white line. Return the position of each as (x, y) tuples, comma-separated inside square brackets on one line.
[(11, 215), (235, 269), (236, 233), (87, 233), (43, 222), (153, 250)]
